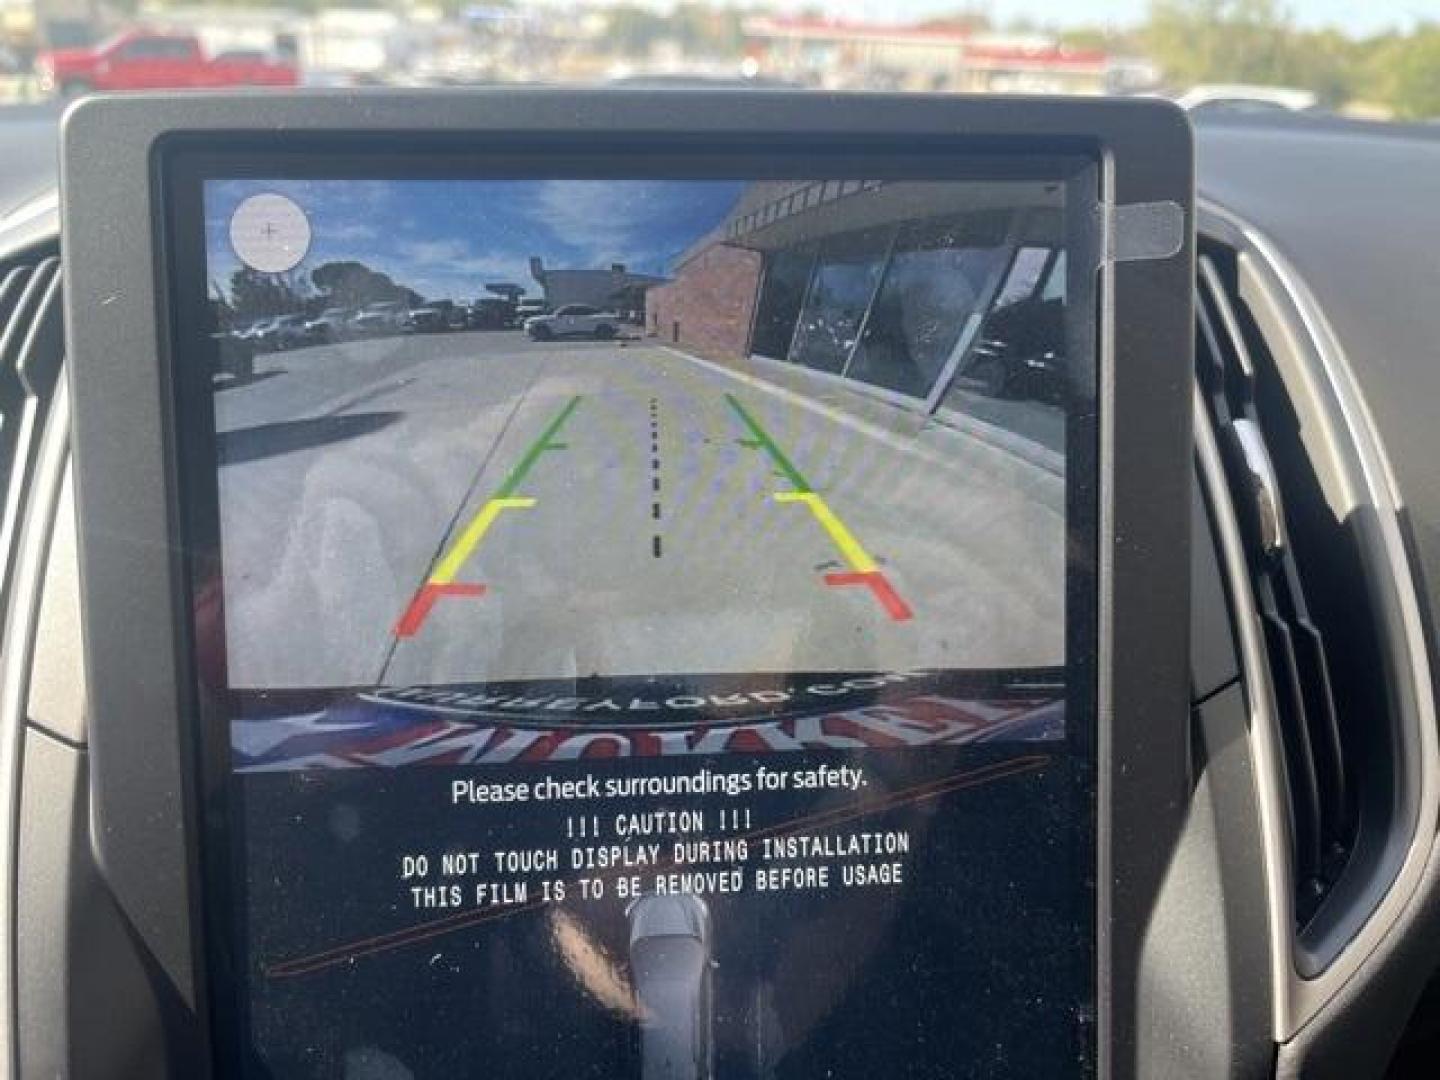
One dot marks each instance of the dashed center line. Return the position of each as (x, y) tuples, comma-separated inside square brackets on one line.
[(656, 546)]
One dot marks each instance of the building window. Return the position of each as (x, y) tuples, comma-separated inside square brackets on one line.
[(845, 277), (935, 278), (1025, 273), (1055, 283), (1021, 348), (787, 274)]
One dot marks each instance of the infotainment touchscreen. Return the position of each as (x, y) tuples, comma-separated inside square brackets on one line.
[(646, 621)]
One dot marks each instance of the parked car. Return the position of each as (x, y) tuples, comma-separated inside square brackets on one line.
[(284, 332), (386, 317), (251, 331), (143, 60), (436, 317), (493, 314), (1247, 99), (575, 320), (332, 324), (529, 309)]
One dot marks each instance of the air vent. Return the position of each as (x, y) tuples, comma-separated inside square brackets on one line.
[(1231, 369), (31, 345)]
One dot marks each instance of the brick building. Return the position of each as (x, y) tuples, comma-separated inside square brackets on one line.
[(710, 307), (886, 285)]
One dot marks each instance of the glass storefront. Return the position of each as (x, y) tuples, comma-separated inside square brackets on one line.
[(934, 282), (787, 276), (893, 306), (1020, 351), (841, 289), (1025, 274)]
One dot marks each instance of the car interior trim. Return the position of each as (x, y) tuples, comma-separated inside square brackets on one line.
[(1263, 485), (1260, 698), (21, 623), (1300, 995), (1382, 850)]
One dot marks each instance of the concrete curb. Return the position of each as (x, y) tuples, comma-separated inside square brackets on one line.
[(992, 435)]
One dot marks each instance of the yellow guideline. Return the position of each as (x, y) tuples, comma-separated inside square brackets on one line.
[(469, 540), (858, 558)]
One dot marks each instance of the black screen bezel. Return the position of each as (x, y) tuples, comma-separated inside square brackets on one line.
[(132, 554)]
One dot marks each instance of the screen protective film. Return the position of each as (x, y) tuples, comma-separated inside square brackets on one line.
[(647, 625)]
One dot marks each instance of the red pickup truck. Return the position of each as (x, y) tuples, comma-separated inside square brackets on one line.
[(140, 60)]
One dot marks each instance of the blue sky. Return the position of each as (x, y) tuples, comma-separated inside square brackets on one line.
[(447, 238)]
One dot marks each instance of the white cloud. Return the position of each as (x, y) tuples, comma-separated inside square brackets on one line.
[(433, 251), (455, 257), (448, 268), (607, 222), (349, 233)]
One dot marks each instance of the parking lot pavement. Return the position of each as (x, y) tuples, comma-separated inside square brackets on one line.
[(475, 507), (1041, 423)]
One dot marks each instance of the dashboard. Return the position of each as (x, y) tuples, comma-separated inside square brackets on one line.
[(702, 671)]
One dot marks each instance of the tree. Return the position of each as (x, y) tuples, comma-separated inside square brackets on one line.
[(1404, 72), (706, 29), (353, 284), (1104, 39), (1251, 41), (698, 28), (633, 31), (1200, 41), (1329, 63), (254, 295)]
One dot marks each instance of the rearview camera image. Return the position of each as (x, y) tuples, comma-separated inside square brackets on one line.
[(642, 616), (518, 430)]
